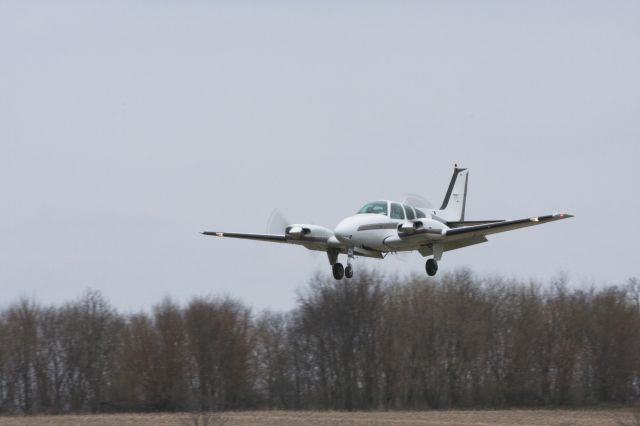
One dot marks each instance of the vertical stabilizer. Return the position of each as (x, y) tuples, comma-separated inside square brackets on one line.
[(452, 209)]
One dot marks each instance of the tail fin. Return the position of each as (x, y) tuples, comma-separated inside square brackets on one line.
[(452, 209)]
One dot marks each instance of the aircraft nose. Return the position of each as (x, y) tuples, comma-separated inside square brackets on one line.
[(344, 230)]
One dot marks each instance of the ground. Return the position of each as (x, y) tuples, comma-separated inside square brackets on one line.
[(618, 417)]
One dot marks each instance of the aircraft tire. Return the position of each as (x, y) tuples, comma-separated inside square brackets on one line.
[(348, 271), (431, 267), (338, 271)]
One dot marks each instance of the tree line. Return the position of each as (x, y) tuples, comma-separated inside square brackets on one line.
[(367, 343)]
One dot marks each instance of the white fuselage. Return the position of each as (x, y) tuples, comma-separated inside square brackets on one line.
[(380, 232)]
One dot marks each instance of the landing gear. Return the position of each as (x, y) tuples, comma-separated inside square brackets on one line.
[(338, 271), (348, 271), (431, 267)]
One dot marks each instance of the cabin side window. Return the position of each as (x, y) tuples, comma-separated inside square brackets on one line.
[(409, 211), (397, 212), (420, 213), (377, 207)]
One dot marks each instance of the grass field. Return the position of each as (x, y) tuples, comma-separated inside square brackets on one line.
[(320, 418)]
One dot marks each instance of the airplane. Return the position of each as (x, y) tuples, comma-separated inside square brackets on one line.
[(383, 227)]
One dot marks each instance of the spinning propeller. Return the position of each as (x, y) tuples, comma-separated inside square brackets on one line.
[(277, 223), (418, 201)]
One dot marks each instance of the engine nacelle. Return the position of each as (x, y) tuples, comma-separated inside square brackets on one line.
[(433, 229), (408, 228), (307, 232), (296, 231)]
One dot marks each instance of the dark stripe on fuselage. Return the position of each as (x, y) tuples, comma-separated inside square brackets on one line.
[(378, 226)]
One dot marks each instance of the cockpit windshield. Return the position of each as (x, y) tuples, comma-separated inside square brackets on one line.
[(377, 207)]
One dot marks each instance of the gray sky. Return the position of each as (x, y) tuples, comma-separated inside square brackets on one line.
[(126, 128)]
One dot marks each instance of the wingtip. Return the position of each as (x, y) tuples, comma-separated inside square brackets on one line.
[(215, 234), (563, 215)]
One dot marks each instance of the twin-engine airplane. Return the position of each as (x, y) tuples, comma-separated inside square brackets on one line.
[(383, 227)]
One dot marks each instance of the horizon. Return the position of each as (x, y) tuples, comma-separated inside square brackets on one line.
[(386, 279)]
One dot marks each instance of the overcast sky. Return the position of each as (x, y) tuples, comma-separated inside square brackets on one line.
[(126, 128)]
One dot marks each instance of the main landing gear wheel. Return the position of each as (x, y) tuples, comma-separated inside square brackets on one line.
[(348, 271), (338, 271), (431, 267)]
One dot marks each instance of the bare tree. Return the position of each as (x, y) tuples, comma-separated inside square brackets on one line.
[(219, 347), (365, 343), (273, 364), (20, 342), (89, 344), (341, 320)]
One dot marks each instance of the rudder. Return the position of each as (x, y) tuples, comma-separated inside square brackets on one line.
[(453, 205)]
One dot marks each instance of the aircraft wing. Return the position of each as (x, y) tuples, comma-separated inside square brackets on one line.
[(258, 237), (482, 230), (311, 242)]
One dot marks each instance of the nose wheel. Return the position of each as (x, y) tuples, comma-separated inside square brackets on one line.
[(348, 271), (431, 267)]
